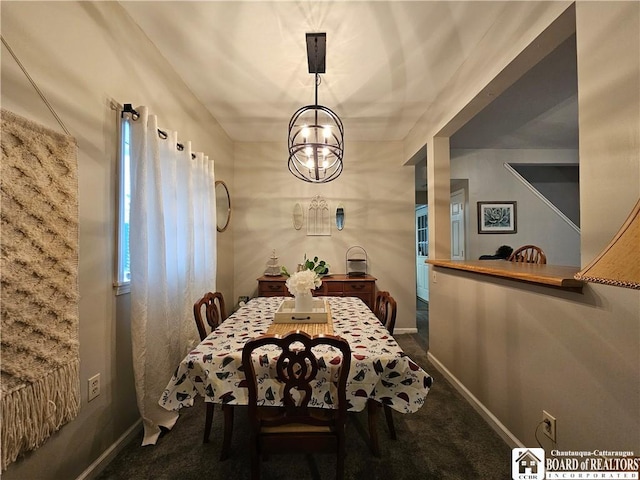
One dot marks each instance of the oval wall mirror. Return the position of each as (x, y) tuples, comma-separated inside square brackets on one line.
[(298, 216), (340, 217), (223, 206)]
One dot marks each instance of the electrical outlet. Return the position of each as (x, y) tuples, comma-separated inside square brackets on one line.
[(549, 425), (94, 386)]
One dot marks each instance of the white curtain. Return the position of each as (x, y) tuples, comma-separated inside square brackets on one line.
[(173, 259)]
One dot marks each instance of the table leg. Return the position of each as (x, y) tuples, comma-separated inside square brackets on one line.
[(392, 427), (373, 408), (228, 430), (208, 420)]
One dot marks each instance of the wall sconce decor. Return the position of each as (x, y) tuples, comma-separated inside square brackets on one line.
[(318, 222), (340, 217), (298, 216)]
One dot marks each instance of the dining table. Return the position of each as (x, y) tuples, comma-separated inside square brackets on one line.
[(379, 369)]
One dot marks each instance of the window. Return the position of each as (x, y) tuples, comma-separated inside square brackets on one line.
[(422, 231), (124, 203)]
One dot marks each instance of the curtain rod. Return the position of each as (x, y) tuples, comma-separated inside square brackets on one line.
[(128, 108)]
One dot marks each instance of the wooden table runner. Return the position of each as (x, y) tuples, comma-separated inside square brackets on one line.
[(310, 328)]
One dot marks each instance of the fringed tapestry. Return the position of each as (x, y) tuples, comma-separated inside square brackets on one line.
[(39, 277)]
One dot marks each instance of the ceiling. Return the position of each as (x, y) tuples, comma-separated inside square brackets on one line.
[(386, 61), (540, 110)]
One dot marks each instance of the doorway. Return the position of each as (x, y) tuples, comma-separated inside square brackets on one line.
[(422, 275)]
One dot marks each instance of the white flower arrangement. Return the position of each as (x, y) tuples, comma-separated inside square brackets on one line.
[(303, 282)]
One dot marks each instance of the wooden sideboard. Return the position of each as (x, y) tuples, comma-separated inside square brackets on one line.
[(338, 285)]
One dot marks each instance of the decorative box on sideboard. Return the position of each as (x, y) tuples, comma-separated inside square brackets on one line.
[(338, 285)]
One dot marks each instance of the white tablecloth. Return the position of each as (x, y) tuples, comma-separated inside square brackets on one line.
[(380, 370)]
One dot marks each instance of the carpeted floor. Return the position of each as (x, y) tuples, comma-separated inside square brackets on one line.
[(422, 322), (445, 439)]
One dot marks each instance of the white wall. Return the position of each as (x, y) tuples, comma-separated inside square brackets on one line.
[(537, 223), (84, 55), (519, 348), (378, 199)]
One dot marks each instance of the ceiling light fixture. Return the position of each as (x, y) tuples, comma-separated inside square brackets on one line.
[(316, 134)]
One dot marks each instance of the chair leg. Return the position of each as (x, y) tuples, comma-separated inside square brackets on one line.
[(340, 459), (340, 467), (390, 425), (208, 420), (255, 458), (228, 430), (372, 412)]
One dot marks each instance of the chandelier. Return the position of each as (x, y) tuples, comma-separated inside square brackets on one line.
[(316, 134)]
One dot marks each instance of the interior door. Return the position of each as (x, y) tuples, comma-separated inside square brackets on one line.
[(457, 225), (422, 252)]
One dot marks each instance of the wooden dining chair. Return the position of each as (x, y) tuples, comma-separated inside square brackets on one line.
[(214, 314), (296, 427), (528, 254), (385, 309)]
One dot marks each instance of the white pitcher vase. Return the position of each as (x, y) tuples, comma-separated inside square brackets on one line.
[(303, 302)]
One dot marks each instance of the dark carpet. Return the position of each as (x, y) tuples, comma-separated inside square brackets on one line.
[(445, 439)]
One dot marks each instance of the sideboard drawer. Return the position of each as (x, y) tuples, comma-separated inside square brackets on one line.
[(272, 289), (333, 288), (358, 287)]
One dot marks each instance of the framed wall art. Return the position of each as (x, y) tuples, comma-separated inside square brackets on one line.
[(497, 217)]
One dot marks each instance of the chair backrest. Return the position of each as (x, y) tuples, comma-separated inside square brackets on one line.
[(385, 309), (528, 254), (295, 371), (215, 312)]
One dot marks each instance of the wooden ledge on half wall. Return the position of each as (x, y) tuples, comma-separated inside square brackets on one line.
[(550, 275)]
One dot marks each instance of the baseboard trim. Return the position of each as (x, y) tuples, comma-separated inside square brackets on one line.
[(403, 331), (478, 406), (109, 454)]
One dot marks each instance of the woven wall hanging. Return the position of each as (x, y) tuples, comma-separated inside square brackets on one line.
[(39, 272)]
